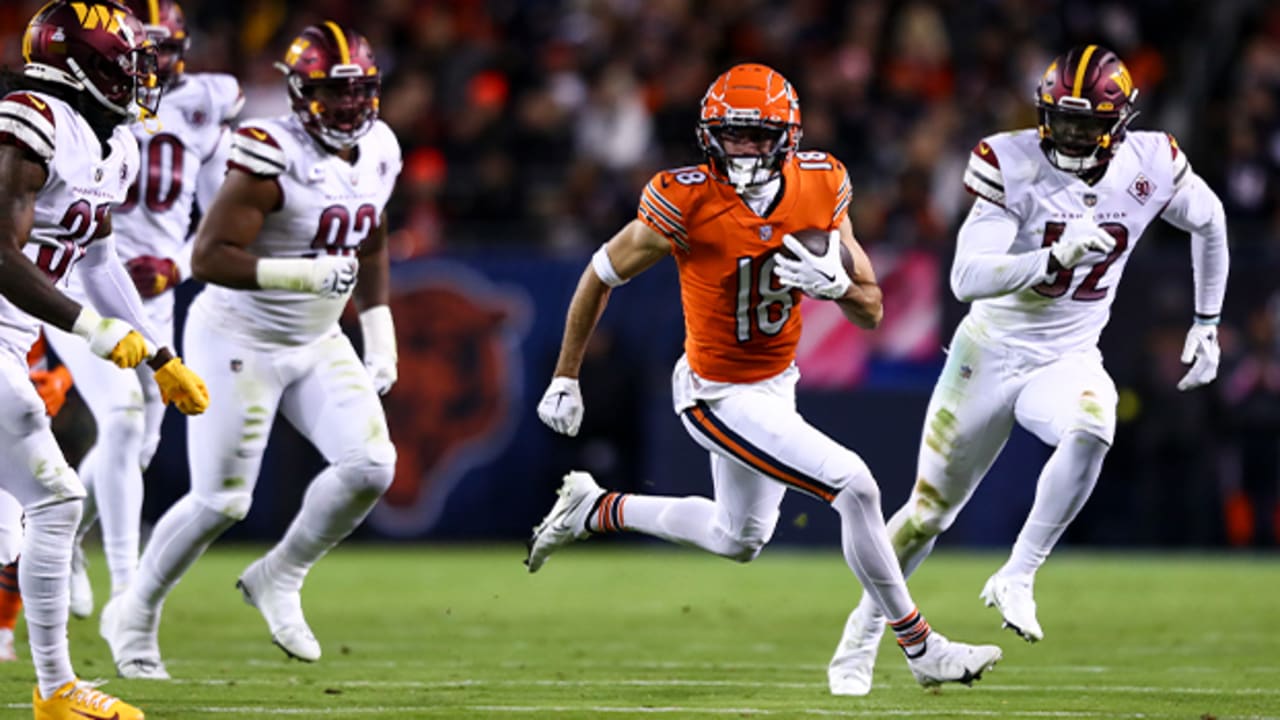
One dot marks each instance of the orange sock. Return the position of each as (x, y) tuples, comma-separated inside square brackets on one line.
[(10, 598)]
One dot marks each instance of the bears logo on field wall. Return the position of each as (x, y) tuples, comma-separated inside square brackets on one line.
[(460, 373)]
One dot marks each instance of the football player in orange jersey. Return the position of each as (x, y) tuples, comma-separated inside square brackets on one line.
[(725, 222)]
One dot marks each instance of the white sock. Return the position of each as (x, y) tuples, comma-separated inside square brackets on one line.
[(180, 537), (111, 468), (335, 504), (867, 550), (1065, 484), (43, 578)]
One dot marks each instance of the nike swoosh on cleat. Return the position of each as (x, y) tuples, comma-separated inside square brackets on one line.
[(115, 716)]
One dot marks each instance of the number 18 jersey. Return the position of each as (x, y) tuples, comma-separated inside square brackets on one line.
[(327, 206), (741, 325), (1068, 312)]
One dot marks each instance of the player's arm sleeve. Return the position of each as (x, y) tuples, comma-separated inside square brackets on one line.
[(109, 288), (844, 194), (661, 213), (1196, 208), (256, 152), (984, 267), (983, 176)]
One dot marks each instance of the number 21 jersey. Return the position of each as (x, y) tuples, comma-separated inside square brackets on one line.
[(85, 178)]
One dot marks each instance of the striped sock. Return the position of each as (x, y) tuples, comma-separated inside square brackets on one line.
[(10, 598), (912, 631), (606, 514)]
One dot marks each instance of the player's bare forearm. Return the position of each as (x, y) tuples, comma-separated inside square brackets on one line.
[(585, 309), (863, 302), (231, 224), (373, 282), (863, 305), (21, 282)]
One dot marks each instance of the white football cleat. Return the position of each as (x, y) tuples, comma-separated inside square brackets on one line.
[(282, 609), (567, 520), (944, 661), (81, 589), (7, 653), (850, 670), (1011, 595), (133, 638)]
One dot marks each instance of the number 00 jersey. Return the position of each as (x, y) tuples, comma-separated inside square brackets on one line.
[(740, 324), (85, 178), (1069, 311), (328, 206), (193, 116)]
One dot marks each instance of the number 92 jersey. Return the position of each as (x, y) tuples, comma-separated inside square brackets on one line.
[(85, 178), (328, 206), (741, 325), (1068, 311)]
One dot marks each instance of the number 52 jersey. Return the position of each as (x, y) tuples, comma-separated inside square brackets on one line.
[(328, 206), (741, 325), (1068, 311)]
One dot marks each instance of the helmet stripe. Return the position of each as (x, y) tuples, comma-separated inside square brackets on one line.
[(1078, 87), (153, 6), (343, 50)]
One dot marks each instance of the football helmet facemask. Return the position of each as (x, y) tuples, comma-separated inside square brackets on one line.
[(166, 25), (755, 104), (334, 83), (1085, 104), (98, 48)]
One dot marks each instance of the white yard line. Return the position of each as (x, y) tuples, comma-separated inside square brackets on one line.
[(682, 682), (258, 711)]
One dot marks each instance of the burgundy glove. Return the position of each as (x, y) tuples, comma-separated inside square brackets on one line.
[(153, 275)]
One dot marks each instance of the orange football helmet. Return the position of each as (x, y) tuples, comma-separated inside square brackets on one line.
[(749, 97)]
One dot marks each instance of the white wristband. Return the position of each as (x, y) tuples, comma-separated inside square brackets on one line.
[(286, 274), (379, 332), (86, 323), (603, 266)]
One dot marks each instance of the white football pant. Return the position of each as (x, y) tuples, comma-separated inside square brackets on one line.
[(128, 411), (39, 478)]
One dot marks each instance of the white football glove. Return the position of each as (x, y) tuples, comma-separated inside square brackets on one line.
[(1202, 353), (1082, 240), (819, 276), (334, 275), (561, 406)]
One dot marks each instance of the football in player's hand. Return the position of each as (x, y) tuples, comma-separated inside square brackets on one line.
[(817, 241)]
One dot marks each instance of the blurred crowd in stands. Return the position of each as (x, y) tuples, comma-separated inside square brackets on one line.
[(534, 123)]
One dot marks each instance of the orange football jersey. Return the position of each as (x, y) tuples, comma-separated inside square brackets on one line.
[(740, 324)]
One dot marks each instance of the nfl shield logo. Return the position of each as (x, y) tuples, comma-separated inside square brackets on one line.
[(237, 365), (1090, 199), (97, 174), (766, 233)]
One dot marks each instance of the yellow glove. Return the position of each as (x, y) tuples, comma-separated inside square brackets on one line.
[(112, 339), (182, 387), (131, 350)]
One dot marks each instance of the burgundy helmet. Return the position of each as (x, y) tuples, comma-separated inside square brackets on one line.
[(1085, 102), (97, 47), (333, 83), (166, 25)]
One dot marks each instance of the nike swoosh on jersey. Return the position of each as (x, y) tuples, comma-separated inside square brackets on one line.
[(36, 101), (257, 133)]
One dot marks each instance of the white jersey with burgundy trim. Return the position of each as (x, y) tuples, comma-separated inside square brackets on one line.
[(193, 116), (328, 206), (1069, 310), (85, 178)]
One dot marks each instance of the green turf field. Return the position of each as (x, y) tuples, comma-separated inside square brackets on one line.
[(644, 631)]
